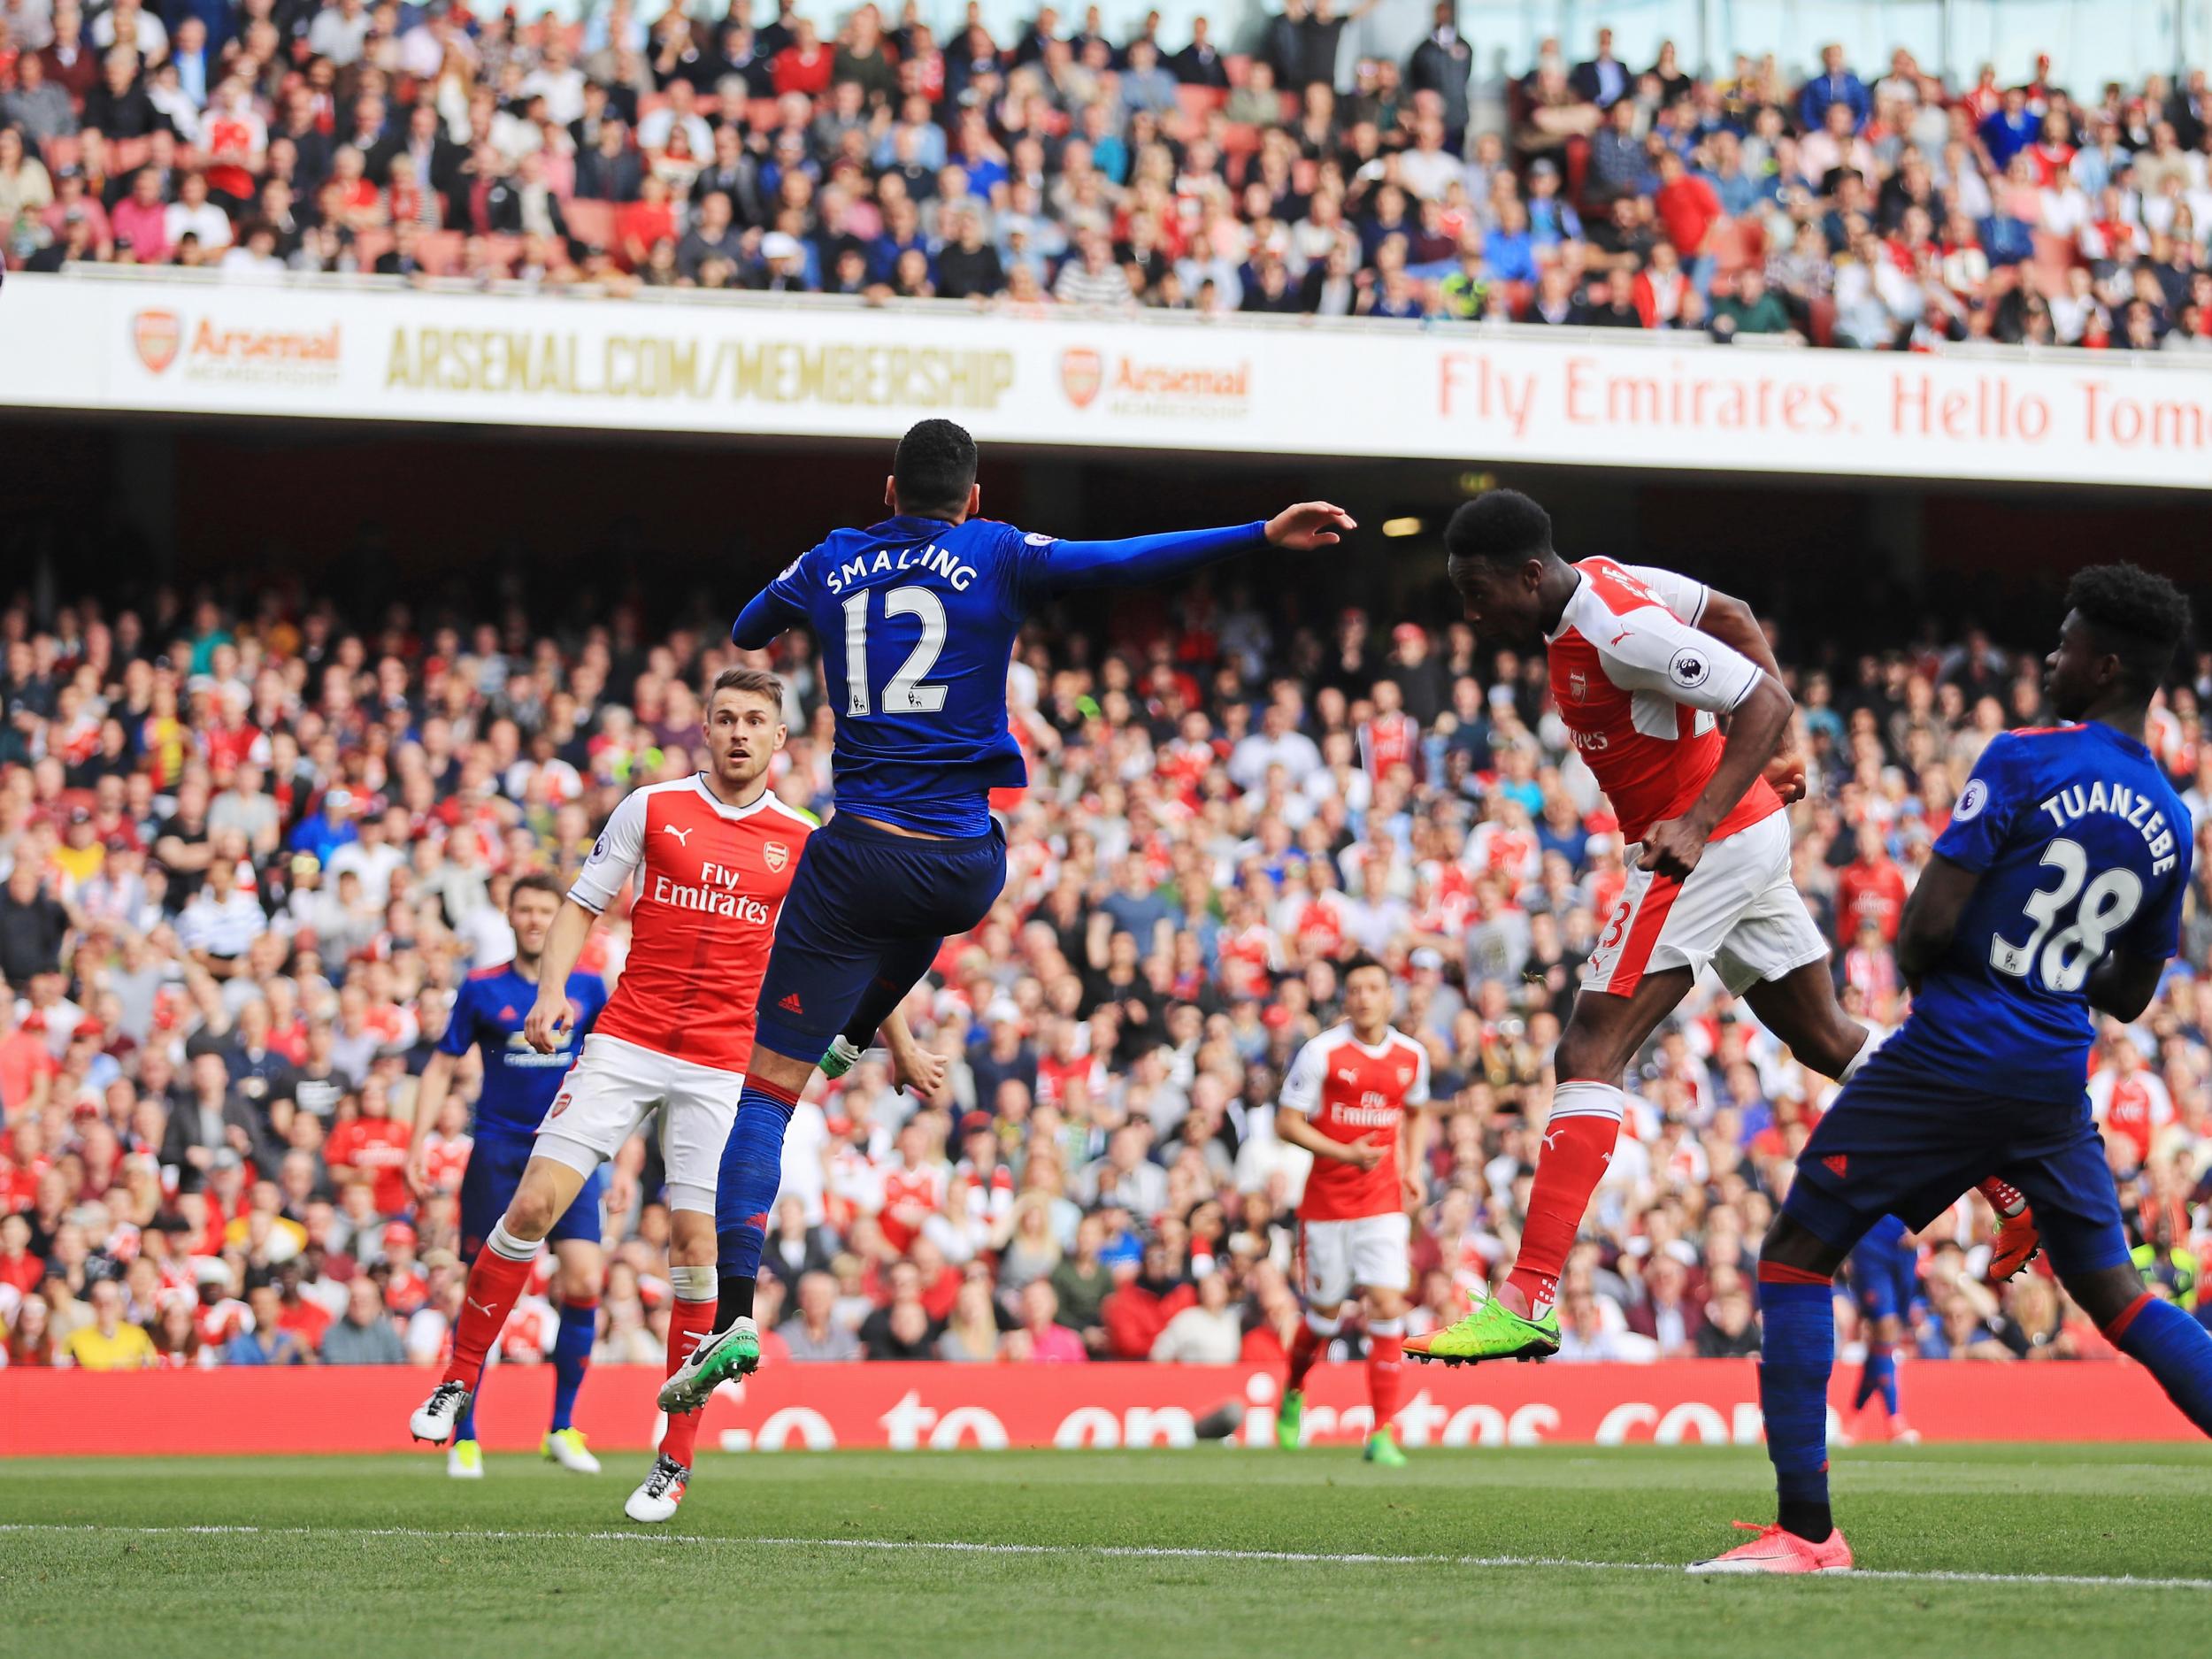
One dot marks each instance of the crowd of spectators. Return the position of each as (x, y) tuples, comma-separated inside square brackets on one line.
[(850, 156), (246, 856)]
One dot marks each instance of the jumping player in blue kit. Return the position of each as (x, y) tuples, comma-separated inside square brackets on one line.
[(2056, 889), (916, 617), (518, 1088)]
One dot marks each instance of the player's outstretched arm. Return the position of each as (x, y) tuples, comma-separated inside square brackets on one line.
[(550, 1015), (1931, 915), (766, 615), (1673, 846), (1139, 560)]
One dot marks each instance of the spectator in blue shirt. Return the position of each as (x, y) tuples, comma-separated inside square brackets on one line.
[(2008, 129), (1509, 250), (1835, 84), (1552, 218), (329, 829)]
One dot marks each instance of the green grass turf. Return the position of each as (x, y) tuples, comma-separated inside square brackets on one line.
[(77, 1582)]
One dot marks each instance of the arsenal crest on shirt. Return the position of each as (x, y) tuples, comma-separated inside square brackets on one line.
[(775, 855)]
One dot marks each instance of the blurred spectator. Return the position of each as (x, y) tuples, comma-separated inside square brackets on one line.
[(364, 1336)]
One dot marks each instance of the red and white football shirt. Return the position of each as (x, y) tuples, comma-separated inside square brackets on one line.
[(2133, 1107), (1639, 689), (710, 882), (1351, 1093)]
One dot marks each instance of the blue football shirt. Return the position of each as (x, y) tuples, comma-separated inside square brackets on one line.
[(519, 1083), (917, 620), (2083, 847)]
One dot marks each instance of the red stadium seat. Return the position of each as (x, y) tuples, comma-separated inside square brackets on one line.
[(1197, 102), (369, 246), (2055, 257), (591, 223), (61, 152), (760, 114), (440, 251), (128, 155)]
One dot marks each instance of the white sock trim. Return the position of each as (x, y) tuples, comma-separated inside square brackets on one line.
[(1582, 1098), (1323, 1327), (499, 1241), (1875, 1039), (1387, 1328), (695, 1284)]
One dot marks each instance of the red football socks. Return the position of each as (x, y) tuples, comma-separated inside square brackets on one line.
[(1305, 1349), (493, 1283), (1385, 1371), (1577, 1148), (688, 1323)]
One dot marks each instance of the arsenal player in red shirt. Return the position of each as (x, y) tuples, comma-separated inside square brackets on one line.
[(1670, 693), (1352, 1099), (712, 856)]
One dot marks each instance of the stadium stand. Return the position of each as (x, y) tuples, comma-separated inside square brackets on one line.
[(1857, 207), (248, 852)]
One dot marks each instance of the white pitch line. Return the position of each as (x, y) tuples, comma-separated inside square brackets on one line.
[(1135, 1552)]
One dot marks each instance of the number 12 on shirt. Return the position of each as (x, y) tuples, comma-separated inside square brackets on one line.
[(905, 694)]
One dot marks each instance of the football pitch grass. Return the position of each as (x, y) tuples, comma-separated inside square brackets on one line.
[(1199, 1552)]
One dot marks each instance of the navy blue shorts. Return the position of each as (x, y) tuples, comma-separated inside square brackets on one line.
[(1900, 1142), (1884, 1271), (867, 905), (487, 1186)]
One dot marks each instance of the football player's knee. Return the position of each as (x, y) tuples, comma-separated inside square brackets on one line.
[(691, 1239), (531, 1214), (1581, 1053), (579, 1281), (2106, 1294), (1790, 1243)]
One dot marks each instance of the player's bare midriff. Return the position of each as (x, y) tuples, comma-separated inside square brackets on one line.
[(899, 829)]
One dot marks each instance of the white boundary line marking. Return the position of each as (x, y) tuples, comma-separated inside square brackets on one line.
[(1138, 1552)]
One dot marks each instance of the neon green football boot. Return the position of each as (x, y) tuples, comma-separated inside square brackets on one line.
[(722, 1357), (1288, 1415), (1382, 1447), (1493, 1331), (843, 1058)]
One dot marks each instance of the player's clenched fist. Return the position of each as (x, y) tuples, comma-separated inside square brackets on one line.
[(1672, 848), (1311, 524), (548, 1022)]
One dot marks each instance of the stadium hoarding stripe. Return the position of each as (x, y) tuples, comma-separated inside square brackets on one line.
[(1117, 1552), (169, 345), (919, 1406)]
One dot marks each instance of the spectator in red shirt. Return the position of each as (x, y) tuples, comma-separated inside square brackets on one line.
[(1688, 209), (805, 64), (1135, 1314), (1871, 889), (372, 1147)]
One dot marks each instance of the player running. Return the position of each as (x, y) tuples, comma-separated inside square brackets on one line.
[(519, 1086), (1352, 1099), (2057, 889), (713, 855), (1884, 1271), (917, 616), (1644, 665)]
